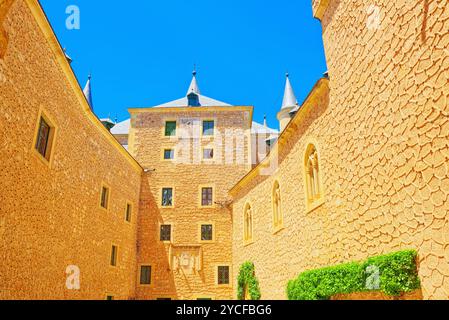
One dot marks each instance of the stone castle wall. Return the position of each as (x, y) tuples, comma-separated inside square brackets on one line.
[(383, 147), (50, 215)]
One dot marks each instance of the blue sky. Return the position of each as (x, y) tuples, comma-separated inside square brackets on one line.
[(141, 52)]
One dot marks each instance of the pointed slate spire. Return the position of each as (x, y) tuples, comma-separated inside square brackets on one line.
[(289, 95), (194, 85), (88, 92)]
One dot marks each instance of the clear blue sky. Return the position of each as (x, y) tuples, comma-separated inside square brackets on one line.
[(141, 52)]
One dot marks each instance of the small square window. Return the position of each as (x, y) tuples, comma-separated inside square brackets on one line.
[(208, 128), (104, 197), (169, 154), (206, 197), (44, 139), (109, 298), (128, 212), (167, 197), (114, 253), (223, 275), (165, 232), (207, 232), (208, 154), (145, 275), (170, 128)]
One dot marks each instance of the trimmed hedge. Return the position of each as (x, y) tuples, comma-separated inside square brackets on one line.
[(393, 274), (247, 277)]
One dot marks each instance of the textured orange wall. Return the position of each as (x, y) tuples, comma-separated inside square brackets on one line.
[(148, 135), (50, 217), (384, 150)]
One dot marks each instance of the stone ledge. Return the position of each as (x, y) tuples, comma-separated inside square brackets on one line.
[(319, 8)]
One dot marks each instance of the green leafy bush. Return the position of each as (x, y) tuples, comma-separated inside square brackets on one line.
[(247, 278), (393, 274)]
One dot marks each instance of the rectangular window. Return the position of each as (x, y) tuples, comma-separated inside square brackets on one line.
[(128, 212), (114, 253), (145, 275), (165, 232), (104, 197), (208, 128), (223, 275), (207, 232), (169, 154), (109, 298), (44, 139), (206, 197), (170, 128), (208, 154), (167, 197)]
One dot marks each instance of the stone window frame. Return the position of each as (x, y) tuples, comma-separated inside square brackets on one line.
[(202, 223), (224, 285), (313, 199), (114, 245), (168, 148), (278, 214), (164, 128), (161, 192), (200, 196), (213, 135), (171, 232), (248, 240), (139, 275), (106, 186), (129, 205), (47, 159)]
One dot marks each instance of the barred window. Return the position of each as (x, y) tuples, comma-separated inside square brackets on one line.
[(165, 232), (145, 275), (206, 232), (223, 275), (206, 197), (167, 197)]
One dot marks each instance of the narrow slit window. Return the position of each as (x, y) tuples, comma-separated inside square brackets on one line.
[(114, 253), (104, 197), (44, 139), (128, 213)]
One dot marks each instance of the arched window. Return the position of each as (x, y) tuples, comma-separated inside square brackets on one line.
[(277, 209), (248, 223), (312, 167)]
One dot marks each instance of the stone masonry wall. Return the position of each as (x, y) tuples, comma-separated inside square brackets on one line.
[(149, 141), (383, 146), (50, 216)]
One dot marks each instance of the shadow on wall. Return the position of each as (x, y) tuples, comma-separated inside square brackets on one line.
[(152, 251)]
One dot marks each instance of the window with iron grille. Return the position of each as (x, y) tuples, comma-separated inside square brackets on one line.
[(206, 197), (208, 128), (145, 275), (170, 128), (206, 232), (167, 197), (223, 275), (43, 139), (165, 232)]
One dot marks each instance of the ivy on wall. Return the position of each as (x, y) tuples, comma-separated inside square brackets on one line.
[(247, 280), (393, 274)]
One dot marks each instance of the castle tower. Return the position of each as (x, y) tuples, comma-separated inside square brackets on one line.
[(88, 92), (289, 103)]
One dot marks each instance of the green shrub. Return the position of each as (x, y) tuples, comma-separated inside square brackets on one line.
[(247, 277), (392, 274)]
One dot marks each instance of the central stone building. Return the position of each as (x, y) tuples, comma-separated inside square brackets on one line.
[(193, 150)]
